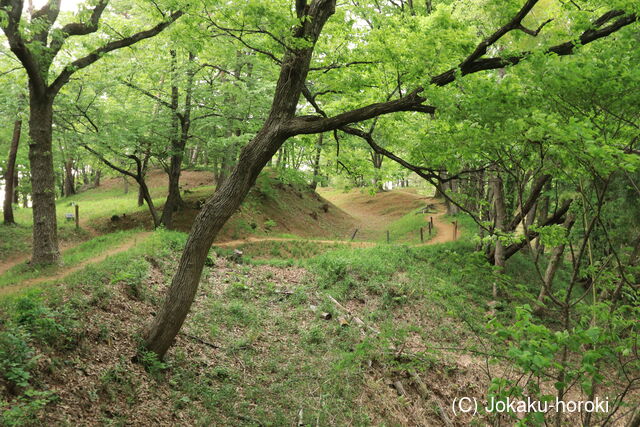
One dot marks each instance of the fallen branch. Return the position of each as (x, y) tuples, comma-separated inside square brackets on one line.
[(201, 341)]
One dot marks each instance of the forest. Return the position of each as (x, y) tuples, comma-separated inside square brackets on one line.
[(320, 213)]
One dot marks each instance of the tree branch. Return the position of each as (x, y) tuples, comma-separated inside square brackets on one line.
[(147, 93), (482, 64), (536, 189), (44, 18), (92, 57), (515, 23), (556, 218), (316, 124), (79, 28), (11, 28)]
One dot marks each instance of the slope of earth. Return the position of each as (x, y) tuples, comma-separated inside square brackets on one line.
[(272, 208), (95, 205), (382, 211), (372, 336)]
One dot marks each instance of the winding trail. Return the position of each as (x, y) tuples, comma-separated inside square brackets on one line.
[(8, 263), (239, 242), (63, 272), (369, 220), (445, 231)]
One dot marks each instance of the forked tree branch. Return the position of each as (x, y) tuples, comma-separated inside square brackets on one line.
[(92, 57), (79, 28), (475, 63)]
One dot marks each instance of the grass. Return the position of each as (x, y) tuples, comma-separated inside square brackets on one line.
[(256, 349), (70, 258), (276, 354), (407, 228), (284, 250)]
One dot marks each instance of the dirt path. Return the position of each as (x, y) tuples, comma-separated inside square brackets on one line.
[(9, 263), (239, 242), (373, 213), (369, 221), (445, 231), (64, 272)]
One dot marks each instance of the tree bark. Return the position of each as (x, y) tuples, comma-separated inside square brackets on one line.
[(69, 181), (316, 162), (16, 193), (10, 174), (45, 236), (499, 217), (181, 124), (145, 162)]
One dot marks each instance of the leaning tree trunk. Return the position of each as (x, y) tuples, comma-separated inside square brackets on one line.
[(45, 233), (10, 174), (159, 335), (146, 196)]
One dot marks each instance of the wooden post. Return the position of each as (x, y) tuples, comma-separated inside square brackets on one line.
[(431, 221), (77, 216), (421, 235), (353, 236), (430, 227), (455, 230), (388, 236)]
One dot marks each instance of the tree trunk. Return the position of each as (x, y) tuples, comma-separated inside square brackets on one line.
[(500, 213), (140, 196), (45, 225), (10, 174), (452, 208), (69, 181), (96, 178), (16, 193), (146, 195), (174, 201), (554, 263), (182, 124), (376, 160), (143, 173), (543, 211), (160, 334), (85, 176), (316, 162)]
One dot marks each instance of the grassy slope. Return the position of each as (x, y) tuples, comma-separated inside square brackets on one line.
[(271, 208), (255, 348)]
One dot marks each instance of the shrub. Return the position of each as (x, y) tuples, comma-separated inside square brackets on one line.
[(16, 358), (134, 277), (54, 327)]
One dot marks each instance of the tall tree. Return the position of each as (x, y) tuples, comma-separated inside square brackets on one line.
[(10, 174), (281, 124), (37, 50)]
